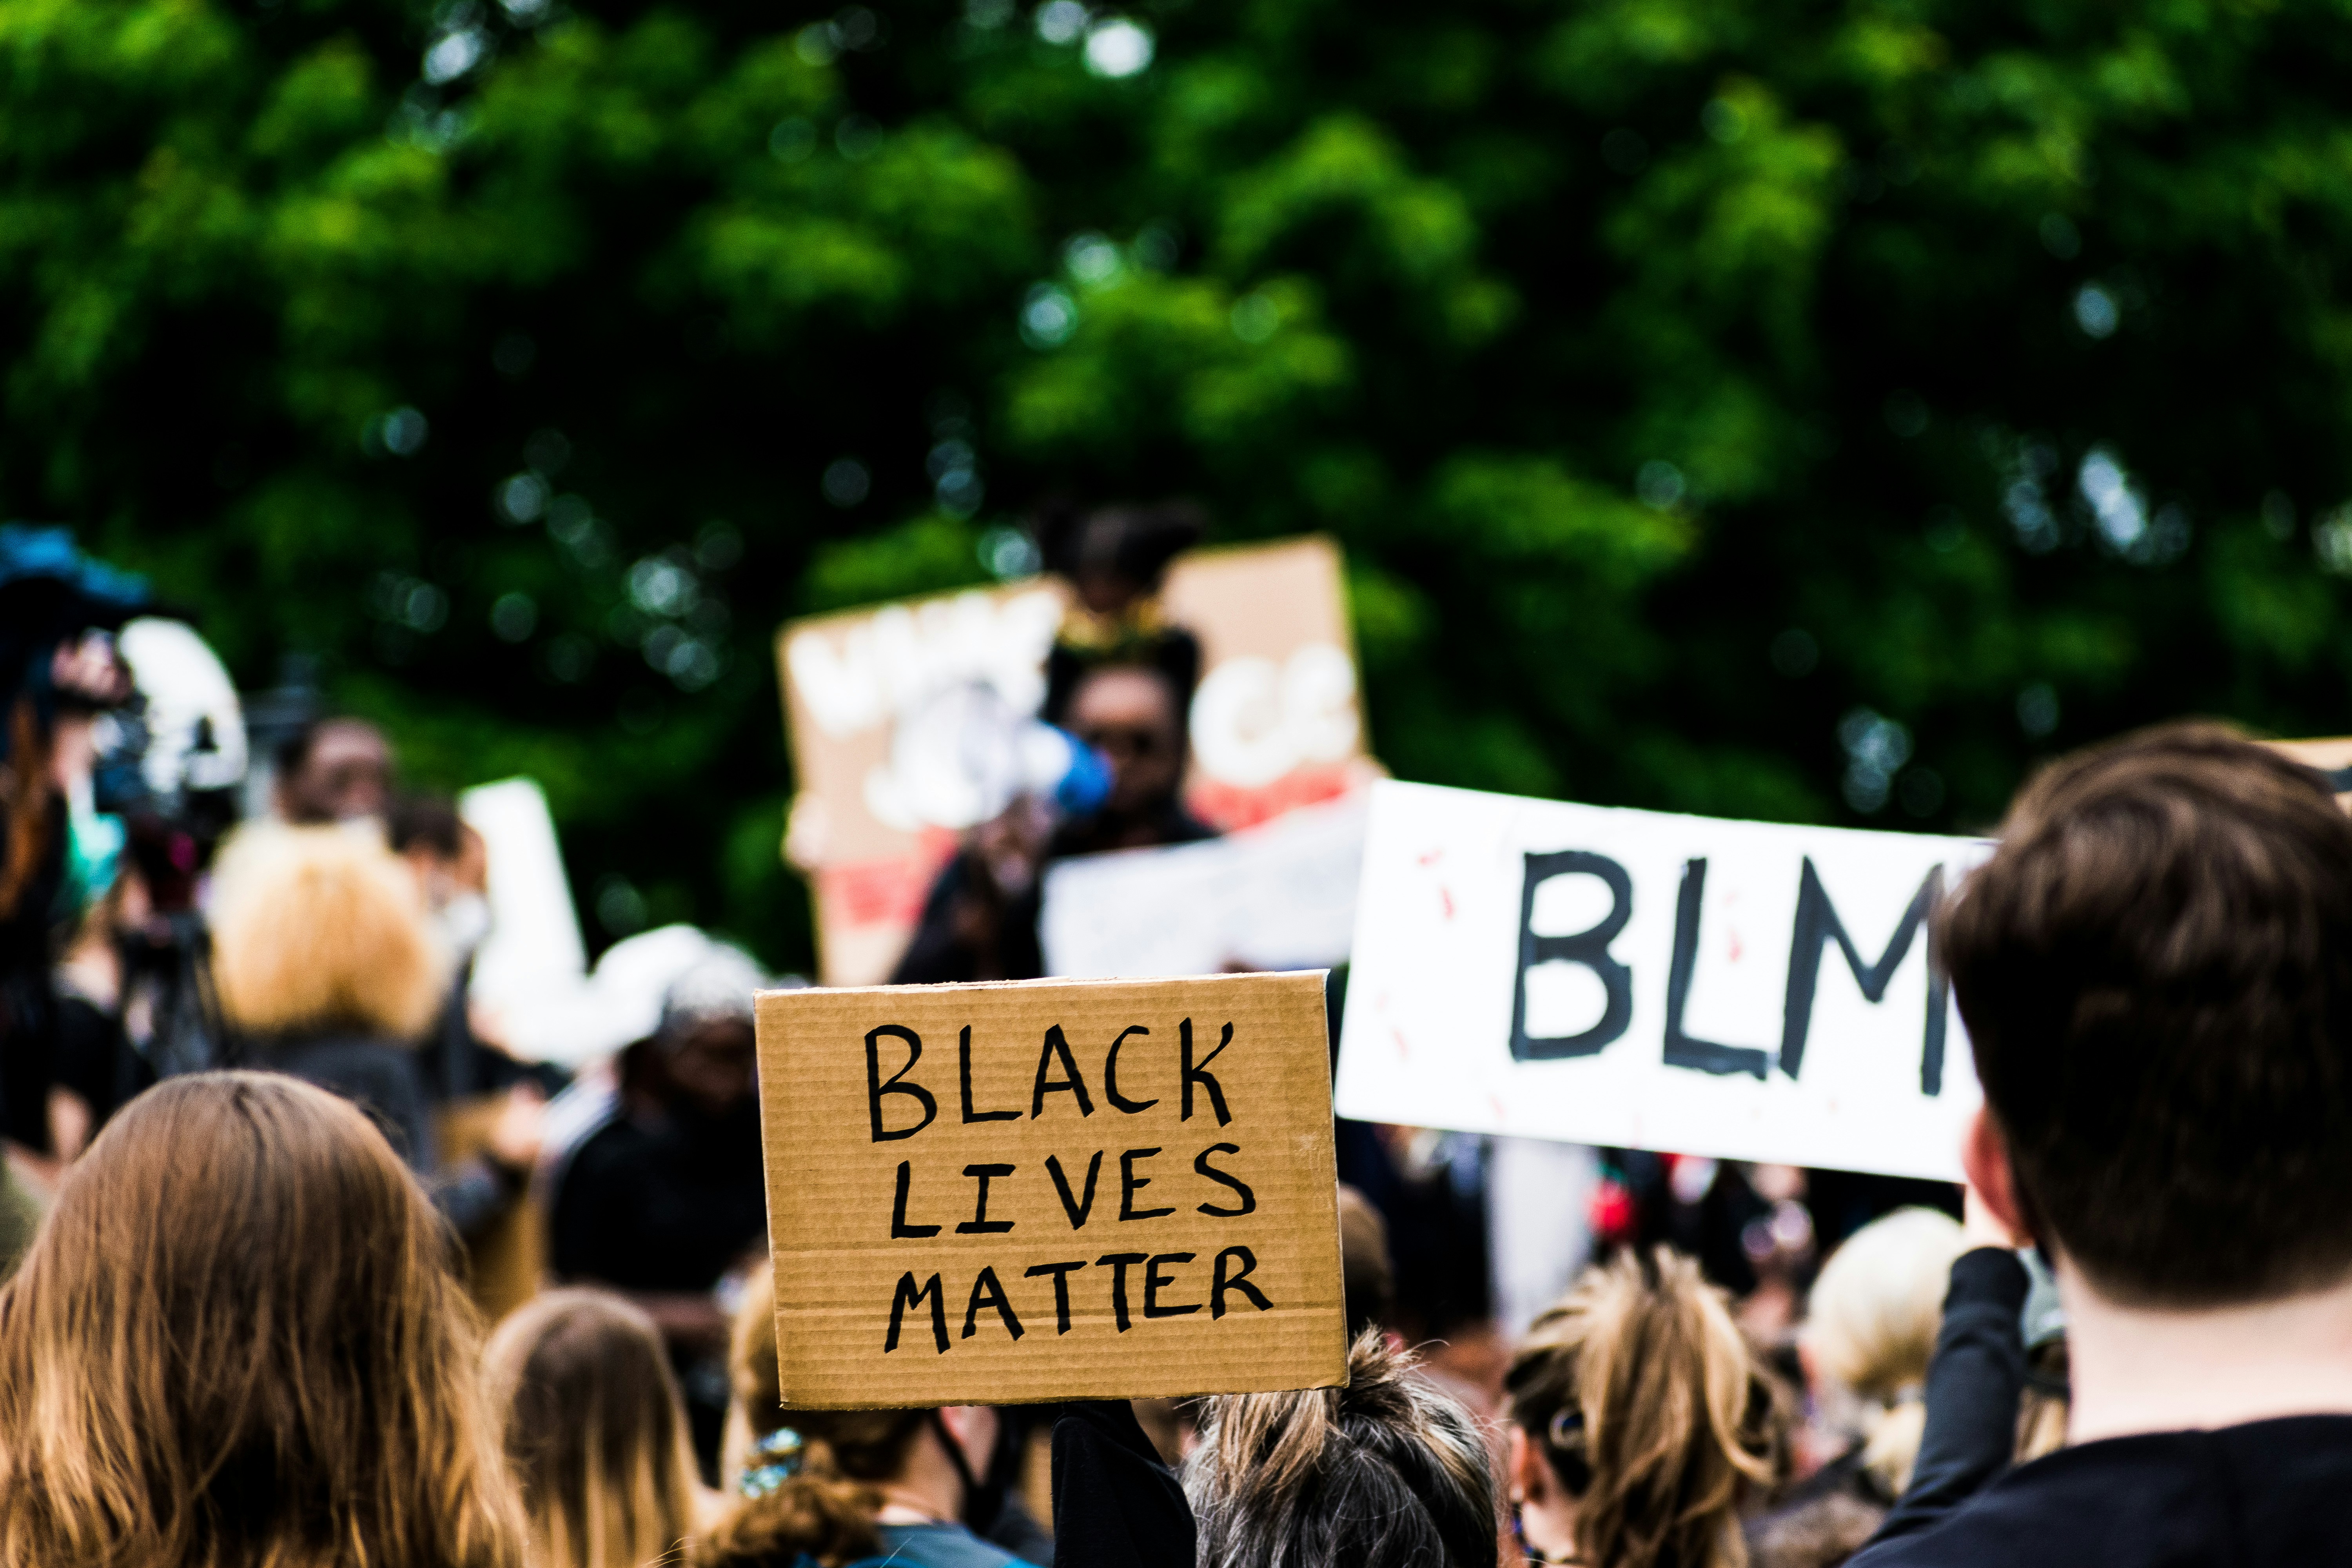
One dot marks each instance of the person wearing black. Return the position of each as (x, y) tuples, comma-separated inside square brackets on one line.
[(979, 921), (2156, 971), (667, 1199)]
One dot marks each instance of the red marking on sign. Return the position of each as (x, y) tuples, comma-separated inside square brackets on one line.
[(1446, 898), (1429, 857), (1736, 949), (1402, 1050), (1500, 1114)]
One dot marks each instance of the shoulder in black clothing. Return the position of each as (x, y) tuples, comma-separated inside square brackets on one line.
[(2265, 1495), (660, 1203)]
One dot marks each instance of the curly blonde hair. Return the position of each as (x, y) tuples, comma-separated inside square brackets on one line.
[(321, 929)]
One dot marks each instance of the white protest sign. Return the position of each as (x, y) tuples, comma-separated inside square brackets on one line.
[(1281, 895), (1742, 990)]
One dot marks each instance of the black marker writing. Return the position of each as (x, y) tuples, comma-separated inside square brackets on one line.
[(899, 1229), (1110, 1075), (1129, 1184), (876, 1086), (1200, 1074), (1061, 1273), (1155, 1281), (963, 1077), (907, 1296), (1076, 1208), (987, 1291), (980, 1224), (1249, 1198), (1119, 1262), (1056, 1046), (1219, 1282)]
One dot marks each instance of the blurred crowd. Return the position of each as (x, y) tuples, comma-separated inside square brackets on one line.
[(273, 1170)]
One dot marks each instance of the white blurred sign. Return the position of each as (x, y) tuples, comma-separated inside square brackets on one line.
[(1280, 896), (1742, 990)]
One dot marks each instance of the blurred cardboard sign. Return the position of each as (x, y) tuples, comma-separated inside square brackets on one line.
[(1051, 1190), (2332, 756), (874, 698), (1281, 895), (1743, 990)]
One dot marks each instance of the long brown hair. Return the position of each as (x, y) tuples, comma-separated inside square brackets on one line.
[(1639, 1384), (237, 1343), (1387, 1472), (595, 1434)]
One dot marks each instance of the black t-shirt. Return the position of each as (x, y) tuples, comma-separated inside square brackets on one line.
[(661, 1202), (2265, 1495)]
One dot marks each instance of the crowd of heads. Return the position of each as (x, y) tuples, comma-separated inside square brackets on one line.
[(248, 1330)]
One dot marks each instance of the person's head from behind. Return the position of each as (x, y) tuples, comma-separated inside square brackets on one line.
[(595, 1436), (238, 1341), (1871, 1327), (809, 1483), (2156, 971), (319, 930), (1639, 1420), (1132, 714), (1385, 1473), (334, 770)]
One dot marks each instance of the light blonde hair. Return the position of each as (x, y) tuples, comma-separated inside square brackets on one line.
[(1660, 1405), (1872, 1325), (595, 1434), (318, 929), (238, 1343)]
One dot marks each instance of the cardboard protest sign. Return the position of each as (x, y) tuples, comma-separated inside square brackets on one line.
[(1051, 1190), (879, 704), (1281, 895), (1737, 989)]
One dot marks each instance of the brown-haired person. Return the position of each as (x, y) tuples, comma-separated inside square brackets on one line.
[(238, 1344), (2156, 971), (595, 1434), (839, 1486), (1640, 1423)]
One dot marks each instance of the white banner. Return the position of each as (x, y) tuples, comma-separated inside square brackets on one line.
[(1279, 896), (1741, 990)]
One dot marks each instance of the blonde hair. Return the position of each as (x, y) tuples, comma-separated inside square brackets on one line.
[(826, 1510), (238, 1344), (1872, 1326), (1384, 1473), (595, 1434), (1639, 1377), (318, 929)]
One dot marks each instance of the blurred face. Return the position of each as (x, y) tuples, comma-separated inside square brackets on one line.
[(715, 1067), (348, 774), (1130, 716)]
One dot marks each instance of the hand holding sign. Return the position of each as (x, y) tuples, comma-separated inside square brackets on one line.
[(1051, 1190)]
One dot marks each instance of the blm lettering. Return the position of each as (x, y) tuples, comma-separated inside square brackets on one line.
[(1816, 926)]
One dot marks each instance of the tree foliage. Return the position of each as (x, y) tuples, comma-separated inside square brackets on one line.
[(1753, 406)]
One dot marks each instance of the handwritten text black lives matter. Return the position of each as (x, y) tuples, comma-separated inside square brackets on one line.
[(1101, 1191)]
